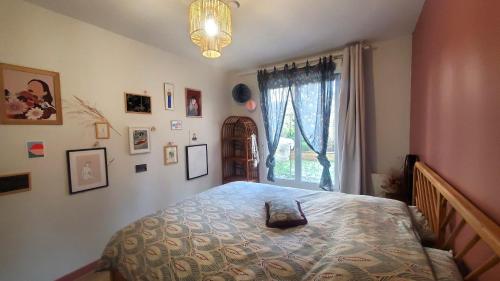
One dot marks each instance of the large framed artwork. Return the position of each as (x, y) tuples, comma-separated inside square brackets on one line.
[(193, 103), (87, 169), (196, 161), (140, 104), (139, 140), (30, 96)]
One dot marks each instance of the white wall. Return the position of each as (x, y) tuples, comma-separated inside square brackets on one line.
[(388, 104), (46, 233)]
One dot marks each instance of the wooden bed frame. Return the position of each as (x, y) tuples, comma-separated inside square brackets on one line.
[(442, 205), (448, 212)]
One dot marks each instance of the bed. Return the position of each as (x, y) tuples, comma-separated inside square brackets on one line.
[(221, 234)]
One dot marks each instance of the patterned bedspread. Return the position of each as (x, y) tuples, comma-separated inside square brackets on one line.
[(220, 234)]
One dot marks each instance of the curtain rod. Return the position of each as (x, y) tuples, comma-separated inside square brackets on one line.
[(336, 55)]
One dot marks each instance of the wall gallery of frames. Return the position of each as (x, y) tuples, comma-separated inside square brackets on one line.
[(33, 97)]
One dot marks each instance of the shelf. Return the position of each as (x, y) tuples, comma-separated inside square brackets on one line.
[(238, 178), (236, 138), (241, 158)]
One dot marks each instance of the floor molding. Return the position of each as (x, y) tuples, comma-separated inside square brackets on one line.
[(79, 272)]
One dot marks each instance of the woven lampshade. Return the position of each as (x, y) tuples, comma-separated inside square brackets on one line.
[(210, 26)]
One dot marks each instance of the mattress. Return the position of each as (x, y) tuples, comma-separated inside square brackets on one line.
[(220, 234)]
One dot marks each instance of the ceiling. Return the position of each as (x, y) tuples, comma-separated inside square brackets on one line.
[(264, 31)]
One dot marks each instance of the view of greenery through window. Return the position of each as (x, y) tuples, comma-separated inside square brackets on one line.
[(286, 154)]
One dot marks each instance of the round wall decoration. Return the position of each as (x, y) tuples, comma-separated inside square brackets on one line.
[(241, 93), (251, 105)]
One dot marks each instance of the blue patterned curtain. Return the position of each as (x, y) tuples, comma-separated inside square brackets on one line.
[(312, 91), (274, 88)]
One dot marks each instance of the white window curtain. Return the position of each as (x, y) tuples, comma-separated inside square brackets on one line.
[(350, 149)]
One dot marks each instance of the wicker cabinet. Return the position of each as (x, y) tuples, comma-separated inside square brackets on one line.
[(237, 160)]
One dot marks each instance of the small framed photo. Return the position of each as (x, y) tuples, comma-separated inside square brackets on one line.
[(102, 130), (13, 183), (193, 103), (168, 92), (139, 139), (176, 125), (197, 161), (140, 104), (29, 96), (87, 169), (36, 149), (171, 154)]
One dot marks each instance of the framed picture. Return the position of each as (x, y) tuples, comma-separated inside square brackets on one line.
[(176, 125), (102, 130), (137, 103), (87, 169), (139, 139), (30, 96), (171, 155), (168, 93), (36, 149), (13, 183), (196, 161), (193, 103)]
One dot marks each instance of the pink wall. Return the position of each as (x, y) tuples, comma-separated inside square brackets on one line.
[(455, 98)]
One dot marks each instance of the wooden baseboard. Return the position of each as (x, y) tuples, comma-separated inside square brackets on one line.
[(79, 272)]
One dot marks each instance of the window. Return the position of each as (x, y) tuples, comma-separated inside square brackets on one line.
[(296, 164)]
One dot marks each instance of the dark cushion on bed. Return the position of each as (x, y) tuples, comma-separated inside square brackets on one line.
[(284, 213)]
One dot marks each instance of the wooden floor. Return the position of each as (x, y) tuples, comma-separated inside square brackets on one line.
[(95, 276)]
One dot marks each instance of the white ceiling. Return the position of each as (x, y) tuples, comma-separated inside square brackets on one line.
[(264, 31)]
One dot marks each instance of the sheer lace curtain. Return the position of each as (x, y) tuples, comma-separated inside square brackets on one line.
[(274, 88), (312, 90)]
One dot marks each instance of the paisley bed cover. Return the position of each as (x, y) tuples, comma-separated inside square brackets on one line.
[(220, 234)]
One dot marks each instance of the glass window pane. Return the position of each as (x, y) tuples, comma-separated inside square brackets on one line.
[(285, 154)]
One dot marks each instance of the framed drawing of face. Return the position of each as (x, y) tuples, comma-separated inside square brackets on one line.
[(193, 103), (29, 96), (139, 139), (87, 169)]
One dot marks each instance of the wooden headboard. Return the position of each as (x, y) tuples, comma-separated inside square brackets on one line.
[(443, 205)]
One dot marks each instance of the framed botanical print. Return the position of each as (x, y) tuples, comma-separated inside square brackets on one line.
[(193, 103), (102, 130), (30, 96), (137, 103), (139, 140), (171, 155), (87, 169), (168, 92), (36, 149)]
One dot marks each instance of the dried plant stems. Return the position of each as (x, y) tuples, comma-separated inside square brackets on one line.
[(92, 112)]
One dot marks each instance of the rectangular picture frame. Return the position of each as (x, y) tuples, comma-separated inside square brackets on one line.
[(138, 104), (14, 183), (196, 161), (139, 140), (30, 96), (87, 169), (176, 125), (171, 154), (194, 104), (169, 96), (102, 130)]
